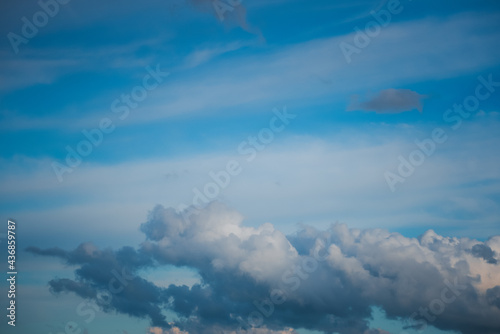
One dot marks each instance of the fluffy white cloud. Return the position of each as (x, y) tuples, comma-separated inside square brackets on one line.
[(223, 243), (360, 268)]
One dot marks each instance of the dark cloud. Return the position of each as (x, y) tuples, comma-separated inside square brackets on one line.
[(320, 280), (110, 279), (484, 252), (493, 296), (49, 252), (389, 101)]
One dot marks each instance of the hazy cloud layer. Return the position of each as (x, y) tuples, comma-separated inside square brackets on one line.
[(321, 280)]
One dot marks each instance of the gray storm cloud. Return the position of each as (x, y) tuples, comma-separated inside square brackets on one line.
[(258, 280)]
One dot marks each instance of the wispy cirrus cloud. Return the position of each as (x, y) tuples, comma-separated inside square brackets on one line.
[(245, 79), (273, 183), (204, 55)]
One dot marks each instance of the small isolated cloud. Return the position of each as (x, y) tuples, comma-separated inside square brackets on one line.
[(389, 101)]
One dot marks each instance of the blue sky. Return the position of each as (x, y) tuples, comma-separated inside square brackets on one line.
[(365, 85)]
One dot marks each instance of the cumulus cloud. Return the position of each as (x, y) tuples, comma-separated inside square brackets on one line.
[(258, 280), (389, 101)]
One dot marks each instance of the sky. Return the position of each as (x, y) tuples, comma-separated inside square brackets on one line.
[(236, 166)]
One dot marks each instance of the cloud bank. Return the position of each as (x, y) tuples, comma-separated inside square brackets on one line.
[(258, 280)]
